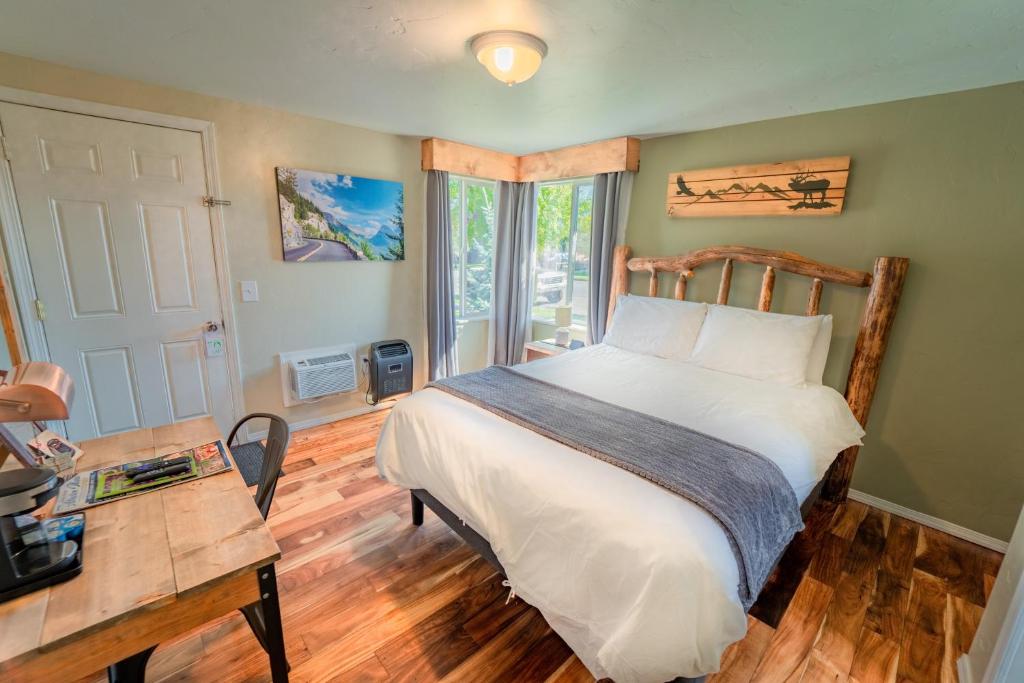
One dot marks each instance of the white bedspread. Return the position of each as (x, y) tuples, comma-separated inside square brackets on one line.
[(639, 582)]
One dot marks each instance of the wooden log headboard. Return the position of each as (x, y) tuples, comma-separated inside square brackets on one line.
[(884, 286)]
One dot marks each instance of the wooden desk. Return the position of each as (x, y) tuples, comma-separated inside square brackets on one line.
[(154, 566)]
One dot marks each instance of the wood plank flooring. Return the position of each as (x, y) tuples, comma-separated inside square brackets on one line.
[(861, 596)]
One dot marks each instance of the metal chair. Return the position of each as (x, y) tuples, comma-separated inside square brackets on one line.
[(273, 456), (274, 451)]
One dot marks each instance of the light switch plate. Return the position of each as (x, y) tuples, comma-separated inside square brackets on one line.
[(250, 292)]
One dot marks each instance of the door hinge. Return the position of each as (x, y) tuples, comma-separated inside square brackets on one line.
[(210, 202), (40, 309), (4, 149)]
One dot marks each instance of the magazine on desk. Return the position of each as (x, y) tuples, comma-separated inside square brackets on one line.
[(95, 487)]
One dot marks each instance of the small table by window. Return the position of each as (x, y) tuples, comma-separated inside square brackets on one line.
[(547, 347)]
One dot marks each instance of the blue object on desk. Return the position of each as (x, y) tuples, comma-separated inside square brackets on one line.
[(66, 528)]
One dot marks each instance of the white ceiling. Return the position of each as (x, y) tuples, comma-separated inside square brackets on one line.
[(614, 67)]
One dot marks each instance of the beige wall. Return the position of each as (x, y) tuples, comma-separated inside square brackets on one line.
[(940, 180), (301, 305)]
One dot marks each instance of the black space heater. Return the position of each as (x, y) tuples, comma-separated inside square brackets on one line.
[(390, 369)]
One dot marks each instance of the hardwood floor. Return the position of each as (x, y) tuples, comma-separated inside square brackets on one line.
[(368, 597)]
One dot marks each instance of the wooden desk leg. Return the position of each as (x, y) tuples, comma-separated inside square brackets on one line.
[(272, 622), (131, 669)]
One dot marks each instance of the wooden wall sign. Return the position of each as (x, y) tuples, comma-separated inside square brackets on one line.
[(811, 187)]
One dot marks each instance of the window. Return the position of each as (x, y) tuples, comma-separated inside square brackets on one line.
[(562, 257), (472, 212)]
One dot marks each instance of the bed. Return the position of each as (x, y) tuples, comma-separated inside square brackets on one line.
[(640, 582)]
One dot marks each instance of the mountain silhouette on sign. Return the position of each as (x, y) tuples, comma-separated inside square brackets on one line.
[(777, 192), (760, 187), (685, 190)]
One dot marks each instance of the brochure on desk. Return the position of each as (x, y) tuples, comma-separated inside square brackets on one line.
[(95, 487)]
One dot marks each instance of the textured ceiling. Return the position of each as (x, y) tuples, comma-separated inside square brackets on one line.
[(614, 67)]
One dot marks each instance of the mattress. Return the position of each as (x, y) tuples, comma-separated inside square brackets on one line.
[(640, 582)]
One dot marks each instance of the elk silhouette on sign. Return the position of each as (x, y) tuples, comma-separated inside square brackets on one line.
[(800, 183)]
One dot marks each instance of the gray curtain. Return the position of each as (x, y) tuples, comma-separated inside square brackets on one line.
[(513, 255), (442, 360), (611, 209)]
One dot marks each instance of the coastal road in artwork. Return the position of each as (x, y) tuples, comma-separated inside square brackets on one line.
[(320, 250)]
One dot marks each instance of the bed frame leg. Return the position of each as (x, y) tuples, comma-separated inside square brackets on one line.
[(417, 509)]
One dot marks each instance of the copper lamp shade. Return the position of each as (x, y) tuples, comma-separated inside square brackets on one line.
[(35, 391), (30, 392)]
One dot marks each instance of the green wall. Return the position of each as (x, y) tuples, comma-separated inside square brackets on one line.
[(939, 180)]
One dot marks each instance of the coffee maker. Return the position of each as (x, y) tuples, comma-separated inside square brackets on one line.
[(29, 558), (33, 553)]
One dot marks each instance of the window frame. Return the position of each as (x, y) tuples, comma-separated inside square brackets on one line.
[(573, 234), (460, 308)]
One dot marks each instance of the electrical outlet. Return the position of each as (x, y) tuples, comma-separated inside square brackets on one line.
[(364, 363)]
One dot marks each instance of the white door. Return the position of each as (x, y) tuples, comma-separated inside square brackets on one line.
[(121, 251)]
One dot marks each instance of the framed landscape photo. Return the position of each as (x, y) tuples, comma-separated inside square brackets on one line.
[(334, 217)]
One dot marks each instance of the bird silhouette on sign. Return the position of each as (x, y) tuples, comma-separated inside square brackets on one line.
[(683, 189)]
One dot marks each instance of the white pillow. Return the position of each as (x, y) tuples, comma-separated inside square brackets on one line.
[(657, 327), (765, 346), (819, 351)]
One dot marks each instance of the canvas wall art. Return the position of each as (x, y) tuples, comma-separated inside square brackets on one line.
[(810, 187), (333, 217)]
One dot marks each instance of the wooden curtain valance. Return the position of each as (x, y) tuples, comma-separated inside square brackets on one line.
[(607, 156), (455, 157), (618, 154)]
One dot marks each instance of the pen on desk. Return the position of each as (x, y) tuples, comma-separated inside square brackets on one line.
[(142, 469), (162, 472)]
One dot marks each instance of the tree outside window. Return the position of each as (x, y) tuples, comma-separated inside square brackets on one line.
[(471, 203), (562, 256)]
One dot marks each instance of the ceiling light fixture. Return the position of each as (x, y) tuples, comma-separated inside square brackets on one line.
[(510, 56)]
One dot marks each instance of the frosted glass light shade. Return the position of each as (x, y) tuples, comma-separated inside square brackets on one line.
[(510, 56)]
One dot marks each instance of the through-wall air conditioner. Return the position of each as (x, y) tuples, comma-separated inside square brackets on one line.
[(321, 372)]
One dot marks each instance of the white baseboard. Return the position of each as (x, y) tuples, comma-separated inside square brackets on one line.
[(324, 419), (963, 669), (929, 521)]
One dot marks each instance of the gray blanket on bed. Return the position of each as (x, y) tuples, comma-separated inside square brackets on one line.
[(744, 491)]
